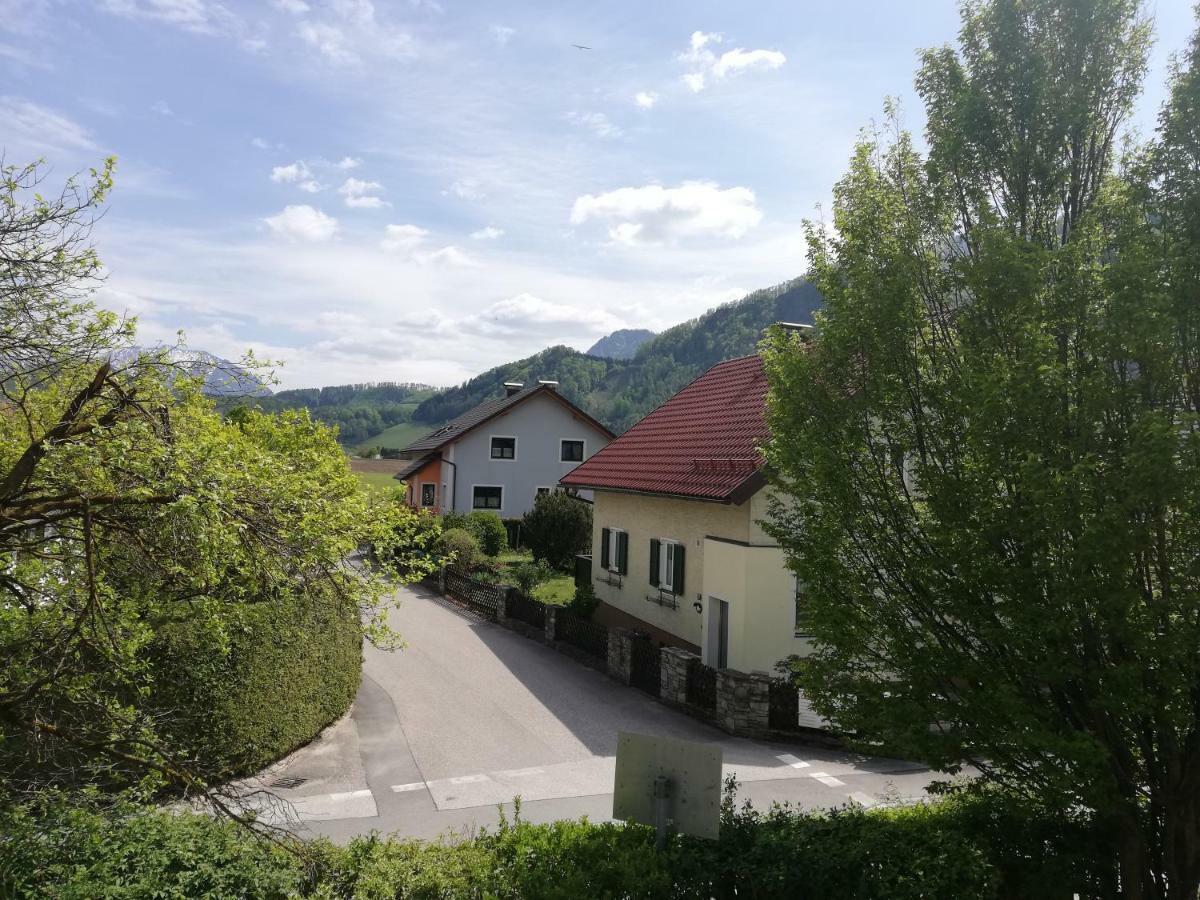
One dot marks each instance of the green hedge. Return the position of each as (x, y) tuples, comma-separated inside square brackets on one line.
[(290, 668), (977, 848)]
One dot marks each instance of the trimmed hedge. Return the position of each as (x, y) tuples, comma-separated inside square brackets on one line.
[(291, 668), (983, 847)]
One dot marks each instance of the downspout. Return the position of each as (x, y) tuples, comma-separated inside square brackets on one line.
[(453, 483)]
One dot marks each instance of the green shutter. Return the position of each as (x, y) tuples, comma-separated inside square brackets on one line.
[(677, 575), (623, 553), (654, 551), (604, 533)]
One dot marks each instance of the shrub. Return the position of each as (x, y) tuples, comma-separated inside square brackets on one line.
[(528, 575), (489, 531), (286, 670), (460, 547), (585, 601), (558, 527)]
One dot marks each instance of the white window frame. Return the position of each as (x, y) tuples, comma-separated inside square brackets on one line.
[(507, 459), (573, 440), (666, 571), (494, 509), (537, 491), (797, 593), (614, 544), (433, 502)]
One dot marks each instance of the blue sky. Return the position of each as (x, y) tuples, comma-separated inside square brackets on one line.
[(418, 190)]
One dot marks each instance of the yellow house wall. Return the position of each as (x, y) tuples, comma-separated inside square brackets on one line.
[(644, 517)]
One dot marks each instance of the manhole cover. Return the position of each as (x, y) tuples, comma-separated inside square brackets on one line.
[(291, 782)]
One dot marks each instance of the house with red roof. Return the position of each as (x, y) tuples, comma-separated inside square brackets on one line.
[(678, 547)]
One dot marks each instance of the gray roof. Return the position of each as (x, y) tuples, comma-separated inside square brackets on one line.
[(489, 409), (413, 467)]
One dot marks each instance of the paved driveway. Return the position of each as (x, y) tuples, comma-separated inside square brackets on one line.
[(469, 715)]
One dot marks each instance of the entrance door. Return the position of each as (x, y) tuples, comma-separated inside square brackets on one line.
[(722, 634)]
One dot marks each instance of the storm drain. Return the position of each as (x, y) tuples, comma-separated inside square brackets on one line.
[(290, 782)]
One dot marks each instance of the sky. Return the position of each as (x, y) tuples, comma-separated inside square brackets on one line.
[(418, 190)]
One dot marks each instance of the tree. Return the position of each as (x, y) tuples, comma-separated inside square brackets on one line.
[(128, 502), (988, 459), (558, 527)]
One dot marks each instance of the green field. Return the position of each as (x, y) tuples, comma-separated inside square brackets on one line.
[(377, 481), (397, 436)]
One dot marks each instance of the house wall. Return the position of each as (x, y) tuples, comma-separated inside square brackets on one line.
[(645, 517), (538, 424), (728, 557), (430, 473)]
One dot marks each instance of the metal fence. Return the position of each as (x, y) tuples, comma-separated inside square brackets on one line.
[(701, 685), (589, 637), (783, 706), (645, 665), (526, 609), (481, 597)]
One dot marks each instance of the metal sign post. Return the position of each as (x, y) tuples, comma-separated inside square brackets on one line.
[(669, 784)]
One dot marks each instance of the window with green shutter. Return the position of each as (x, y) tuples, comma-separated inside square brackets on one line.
[(614, 551), (666, 565)]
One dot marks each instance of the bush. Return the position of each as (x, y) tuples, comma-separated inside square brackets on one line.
[(558, 527), (489, 531), (528, 575), (460, 547), (289, 669), (585, 601)]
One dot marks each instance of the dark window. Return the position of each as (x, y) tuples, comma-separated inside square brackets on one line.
[(504, 448), (487, 497), (572, 451), (428, 494), (541, 492)]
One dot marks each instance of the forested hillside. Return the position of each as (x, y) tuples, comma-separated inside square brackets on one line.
[(359, 410), (621, 344), (619, 392)]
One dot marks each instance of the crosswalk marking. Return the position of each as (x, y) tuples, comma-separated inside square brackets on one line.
[(826, 778), (521, 773), (466, 779), (350, 795), (415, 786), (792, 761)]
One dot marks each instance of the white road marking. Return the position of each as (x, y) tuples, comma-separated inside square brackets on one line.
[(792, 761), (466, 779), (350, 795), (863, 800), (521, 773), (826, 778), (415, 786)]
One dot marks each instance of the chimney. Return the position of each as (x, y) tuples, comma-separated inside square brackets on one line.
[(512, 387), (553, 385)]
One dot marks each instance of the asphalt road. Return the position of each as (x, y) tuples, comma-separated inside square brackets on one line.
[(469, 715)]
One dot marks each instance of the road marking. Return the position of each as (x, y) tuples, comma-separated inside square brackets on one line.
[(415, 786), (521, 773), (350, 795), (792, 761), (466, 779), (826, 778), (864, 800)]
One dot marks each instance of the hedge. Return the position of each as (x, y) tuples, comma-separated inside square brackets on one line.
[(291, 668), (945, 850)]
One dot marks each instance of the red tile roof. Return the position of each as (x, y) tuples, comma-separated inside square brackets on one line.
[(702, 443)]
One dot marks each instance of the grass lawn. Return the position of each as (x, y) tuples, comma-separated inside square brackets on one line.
[(376, 481), (399, 435), (559, 590)]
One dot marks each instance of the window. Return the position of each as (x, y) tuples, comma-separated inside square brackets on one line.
[(484, 497), (541, 492), (801, 626), (666, 565), (428, 494), (614, 551), (504, 448), (572, 451)]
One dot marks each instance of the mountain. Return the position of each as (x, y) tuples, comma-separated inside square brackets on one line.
[(222, 378), (621, 344), (618, 392)]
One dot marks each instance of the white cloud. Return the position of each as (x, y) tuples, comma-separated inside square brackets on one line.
[(297, 171), (450, 256), (302, 223), (488, 233), (645, 99), (596, 122), (348, 162), (261, 144), (466, 189), (654, 214), (361, 194), (162, 108), (330, 41), (502, 34), (526, 314), (296, 7), (311, 186), (37, 128), (740, 60), (403, 238), (200, 16), (703, 62)]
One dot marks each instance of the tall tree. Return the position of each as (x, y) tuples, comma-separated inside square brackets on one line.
[(127, 503), (989, 457)]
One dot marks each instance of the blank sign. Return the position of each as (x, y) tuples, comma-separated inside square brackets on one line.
[(693, 769)]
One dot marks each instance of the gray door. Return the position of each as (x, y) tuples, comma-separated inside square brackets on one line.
[(722, 634)]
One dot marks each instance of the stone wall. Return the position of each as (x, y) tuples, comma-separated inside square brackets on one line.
[(743, 703), (673, 675), (620, 654)]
